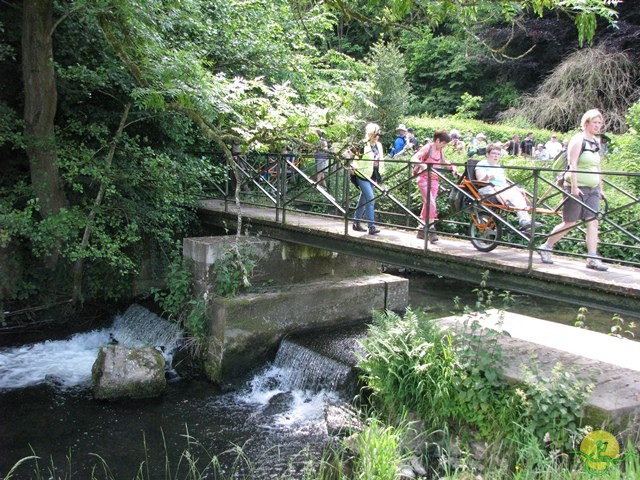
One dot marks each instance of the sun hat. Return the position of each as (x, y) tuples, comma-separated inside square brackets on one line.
[(402, 127), (481, 135)]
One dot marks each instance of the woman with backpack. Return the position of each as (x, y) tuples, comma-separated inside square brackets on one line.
[(366, 168), (584, 182), (428, 184)]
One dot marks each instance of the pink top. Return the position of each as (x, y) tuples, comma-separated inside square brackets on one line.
[(427, 154)]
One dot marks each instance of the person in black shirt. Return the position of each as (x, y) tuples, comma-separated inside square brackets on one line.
[(513, 146), (527, 145)]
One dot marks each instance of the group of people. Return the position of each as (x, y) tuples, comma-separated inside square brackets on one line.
[(582, 180), (544, 152)]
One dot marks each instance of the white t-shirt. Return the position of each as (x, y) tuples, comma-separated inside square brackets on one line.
[(553, 148), (483, 167)]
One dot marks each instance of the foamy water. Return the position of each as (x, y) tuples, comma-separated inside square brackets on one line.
[(67, 362), (303, 406)]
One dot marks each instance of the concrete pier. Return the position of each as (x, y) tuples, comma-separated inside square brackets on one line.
[(613, 362), (296, 289)]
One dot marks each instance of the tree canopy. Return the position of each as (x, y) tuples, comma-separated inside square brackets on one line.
[(104, 134)]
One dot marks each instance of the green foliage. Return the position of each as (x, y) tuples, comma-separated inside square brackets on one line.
[(455, 378), (178, 280), (408, 365), (233, 269), (553, 402), (620, 328), (440, 70), (379, 456), (481, 397), (469, 106), (178, 302), (391, 98), (501, 132), (580, 318)]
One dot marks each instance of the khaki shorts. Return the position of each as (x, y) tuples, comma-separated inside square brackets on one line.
[(574, 211)]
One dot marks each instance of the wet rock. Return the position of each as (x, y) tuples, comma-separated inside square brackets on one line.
[(122, 372), (341, 420), (278, 404), (54, 380), (406, 473)]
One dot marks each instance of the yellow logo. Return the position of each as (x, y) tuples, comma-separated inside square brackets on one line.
[(600, 451)]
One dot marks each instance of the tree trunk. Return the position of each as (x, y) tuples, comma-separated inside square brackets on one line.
[(40, 105)]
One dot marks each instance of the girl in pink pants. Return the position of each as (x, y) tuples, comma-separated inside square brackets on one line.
[(431, 153)]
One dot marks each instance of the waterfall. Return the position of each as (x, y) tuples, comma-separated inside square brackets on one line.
[(306, 369), (139, 327), (307, 373), (67, 363)]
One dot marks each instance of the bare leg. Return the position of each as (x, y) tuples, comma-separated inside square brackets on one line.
[(592, 237), (559, 232)]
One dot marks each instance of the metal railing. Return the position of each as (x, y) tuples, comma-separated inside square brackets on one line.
[(290, 183)]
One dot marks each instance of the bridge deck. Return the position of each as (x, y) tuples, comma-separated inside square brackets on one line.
[(514, 269)]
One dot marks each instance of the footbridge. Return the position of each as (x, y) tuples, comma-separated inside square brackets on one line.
[(281, 196)]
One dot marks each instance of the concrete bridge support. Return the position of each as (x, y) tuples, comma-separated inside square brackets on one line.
[(294, 289)]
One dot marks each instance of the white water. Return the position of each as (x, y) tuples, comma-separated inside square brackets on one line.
[(309, 380), (291, 393), (67, 363)]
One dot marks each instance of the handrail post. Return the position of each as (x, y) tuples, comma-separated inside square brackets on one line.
[(346, 182), (283, 170), (536, 180), (409, 179), (428, 206), (279, 187)]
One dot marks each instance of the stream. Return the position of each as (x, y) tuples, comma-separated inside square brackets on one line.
[(263, 425)]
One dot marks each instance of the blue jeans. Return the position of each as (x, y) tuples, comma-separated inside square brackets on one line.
[(366, 199)]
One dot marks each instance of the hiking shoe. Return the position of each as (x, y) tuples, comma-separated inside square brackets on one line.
[(420, 234), (545, 256), (527, 224), (596, 264), (358, 228), (373, 231)]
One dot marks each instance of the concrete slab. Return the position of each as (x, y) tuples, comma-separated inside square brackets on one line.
[(247, 329), (277, 262), (614, 362)]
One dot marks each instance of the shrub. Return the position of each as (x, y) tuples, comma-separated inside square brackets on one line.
[(454, 381)]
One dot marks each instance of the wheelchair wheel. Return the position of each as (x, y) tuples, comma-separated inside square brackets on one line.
[(484, 231)]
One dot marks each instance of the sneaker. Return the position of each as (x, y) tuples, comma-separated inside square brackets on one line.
[(420, 234), (545, 256), (358, 228), (527, 224), (373, 231), (596, 264)]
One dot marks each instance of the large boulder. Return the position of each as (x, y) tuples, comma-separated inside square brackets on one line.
[(123, 372)]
